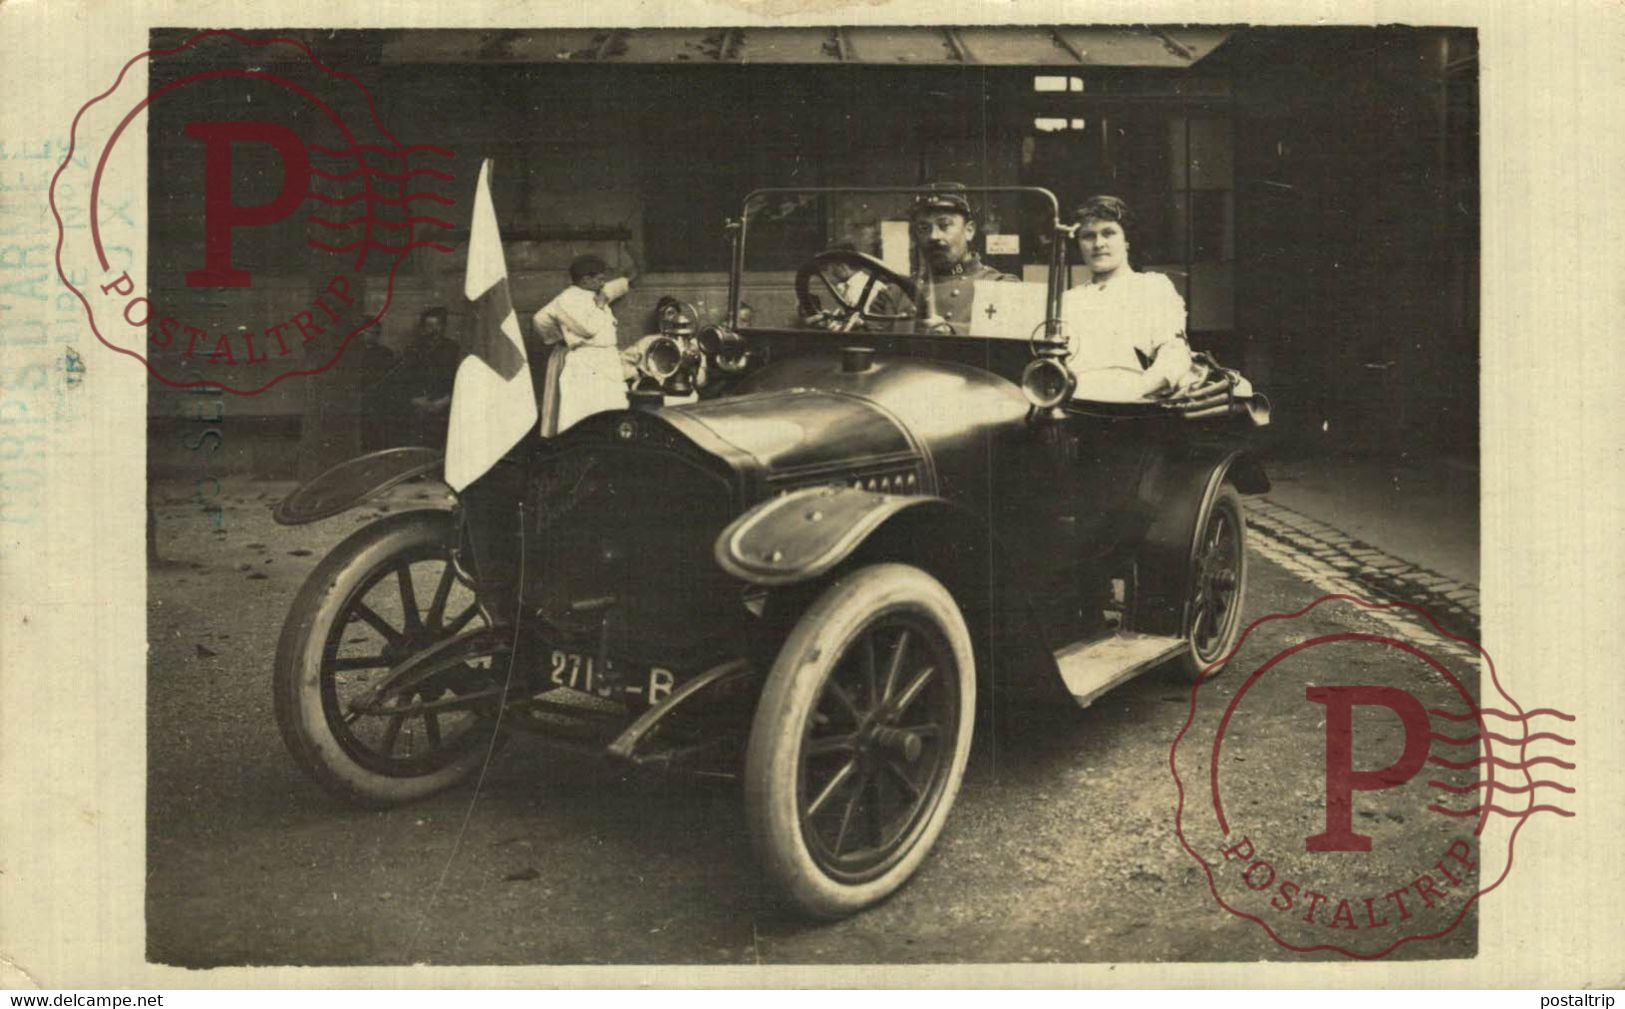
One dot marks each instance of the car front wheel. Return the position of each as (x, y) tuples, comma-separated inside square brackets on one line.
[(388, 593), (860, 739)]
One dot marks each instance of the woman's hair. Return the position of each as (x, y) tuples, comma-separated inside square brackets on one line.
[(1104, 208), (585, 266)]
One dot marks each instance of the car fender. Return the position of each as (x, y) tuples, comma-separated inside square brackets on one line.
[(1174, 493), (798, 537), (350, 483)]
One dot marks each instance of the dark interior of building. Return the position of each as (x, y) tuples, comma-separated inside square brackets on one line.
[(1313, 192)]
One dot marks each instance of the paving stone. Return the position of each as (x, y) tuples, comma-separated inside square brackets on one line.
[(1452, 602)]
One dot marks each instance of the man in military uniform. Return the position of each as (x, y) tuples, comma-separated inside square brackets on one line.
[(943, 225)]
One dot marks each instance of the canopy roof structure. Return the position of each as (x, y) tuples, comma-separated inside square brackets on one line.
[(1165, 47)]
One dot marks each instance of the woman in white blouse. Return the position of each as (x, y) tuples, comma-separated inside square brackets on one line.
[(583, 373), (1127, 328)]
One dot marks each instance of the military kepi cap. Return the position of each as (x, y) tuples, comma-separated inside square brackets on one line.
[(949, 196)]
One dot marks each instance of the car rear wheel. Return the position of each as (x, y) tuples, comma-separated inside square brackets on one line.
[(860, 739), (384, 595), (1218, 584)]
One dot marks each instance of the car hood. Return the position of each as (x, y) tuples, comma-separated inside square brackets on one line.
[(809, 418), (797, 434)]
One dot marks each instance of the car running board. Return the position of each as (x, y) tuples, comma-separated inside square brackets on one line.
[(1090, 668)]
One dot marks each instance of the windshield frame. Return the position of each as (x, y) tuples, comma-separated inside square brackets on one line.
[(739, 231)]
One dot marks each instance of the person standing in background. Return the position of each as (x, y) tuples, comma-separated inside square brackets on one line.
[(429, 364), (583, 374), (409, 405), (371, 362)]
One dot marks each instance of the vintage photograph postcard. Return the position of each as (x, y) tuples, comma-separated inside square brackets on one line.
[(1090, 497)]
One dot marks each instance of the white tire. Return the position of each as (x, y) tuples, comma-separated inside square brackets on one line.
[(860, 739)]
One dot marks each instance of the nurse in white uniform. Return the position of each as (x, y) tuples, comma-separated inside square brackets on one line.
[(1128, 328), (583, 375)]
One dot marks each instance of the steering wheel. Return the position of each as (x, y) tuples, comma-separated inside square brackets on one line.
[(849, 315)]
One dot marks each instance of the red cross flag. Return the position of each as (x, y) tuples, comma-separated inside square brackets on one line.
[(493, 404)]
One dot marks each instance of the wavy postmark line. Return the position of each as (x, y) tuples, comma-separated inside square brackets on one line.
[(370, 197), (1484, 713), (1190, 719), (366, 173), (1496, 786), (400, 151), (380, 174), (401, 225), (367, 221), (380, 246), (1487, 808), (1507, 740), (1498, 762)]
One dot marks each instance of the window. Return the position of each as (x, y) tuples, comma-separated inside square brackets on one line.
[(1050, 84)]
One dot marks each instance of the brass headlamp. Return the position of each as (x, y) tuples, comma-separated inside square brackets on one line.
[(727, 350), (1048, 381)]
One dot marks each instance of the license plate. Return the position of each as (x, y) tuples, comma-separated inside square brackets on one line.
[(583, 672)]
